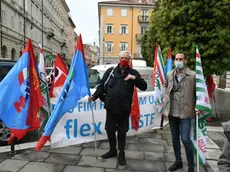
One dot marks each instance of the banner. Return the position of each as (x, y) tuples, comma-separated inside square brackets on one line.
[(76, 126)]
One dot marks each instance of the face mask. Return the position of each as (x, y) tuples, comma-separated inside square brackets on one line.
[(179, 65), (124, 63)]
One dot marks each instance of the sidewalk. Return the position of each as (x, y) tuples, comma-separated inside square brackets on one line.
[(148, 152)]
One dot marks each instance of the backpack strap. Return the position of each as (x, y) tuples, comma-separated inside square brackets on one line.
[(110, 74)]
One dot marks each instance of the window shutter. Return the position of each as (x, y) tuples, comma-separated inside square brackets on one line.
[(105, 28), (127, 30), (105, 48), (120, 29), (112, 47), (120, 47), (112, 29), (126, 47)]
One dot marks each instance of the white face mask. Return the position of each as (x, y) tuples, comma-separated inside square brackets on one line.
[(179, 65)]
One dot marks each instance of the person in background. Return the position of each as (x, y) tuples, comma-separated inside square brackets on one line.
[(117, 85)]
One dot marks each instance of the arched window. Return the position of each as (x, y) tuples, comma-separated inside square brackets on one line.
[(13, 54), (4, 51)]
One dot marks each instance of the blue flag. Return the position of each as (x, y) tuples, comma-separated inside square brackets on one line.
[(20, 98), (76, 87)]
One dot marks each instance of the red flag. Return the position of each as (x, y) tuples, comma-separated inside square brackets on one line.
[(59, 75), (135, 109), (35, 92)]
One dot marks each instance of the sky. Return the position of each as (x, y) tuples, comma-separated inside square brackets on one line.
[(84, 14)]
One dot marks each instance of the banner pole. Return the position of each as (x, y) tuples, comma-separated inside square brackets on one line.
[(95, 137), (197, 144)]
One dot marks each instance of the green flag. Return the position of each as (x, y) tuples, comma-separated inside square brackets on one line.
[(202, 104)]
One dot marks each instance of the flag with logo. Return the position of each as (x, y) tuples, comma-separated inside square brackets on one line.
[(158, 80), (57, 77), (76, 87), (21, 97), (202, 104), (45, 109), (135, 109)]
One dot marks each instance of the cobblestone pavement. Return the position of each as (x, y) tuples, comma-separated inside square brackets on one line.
[(147, 152)]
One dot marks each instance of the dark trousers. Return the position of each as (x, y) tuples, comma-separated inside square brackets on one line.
[(182, 127), (117, 122)]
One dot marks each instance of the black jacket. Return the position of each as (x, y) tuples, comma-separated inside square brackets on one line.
[(119, 93)]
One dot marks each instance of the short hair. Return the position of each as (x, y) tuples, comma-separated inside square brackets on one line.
[(124, 52), (181, 52)]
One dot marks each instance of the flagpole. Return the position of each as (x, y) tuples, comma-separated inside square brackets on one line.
[(197, 144), (95, 137)]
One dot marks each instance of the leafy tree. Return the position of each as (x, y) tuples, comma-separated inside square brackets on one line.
[(181, 24)]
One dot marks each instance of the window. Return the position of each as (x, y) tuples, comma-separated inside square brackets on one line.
[(143, 29), (144, 15), (4, 17), (123, 12), (20, 27), (26, 5), (12, 22), (109, 47), (109, 12), (123, 29), (20, 3), (109, 29), (123, 46), (144, 12)]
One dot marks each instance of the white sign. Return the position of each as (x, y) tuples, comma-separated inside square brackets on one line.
[(77, 127)]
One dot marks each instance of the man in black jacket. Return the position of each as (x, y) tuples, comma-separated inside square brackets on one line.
[(118, 101)]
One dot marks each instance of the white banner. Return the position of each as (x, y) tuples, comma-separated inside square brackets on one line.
[(76, 126)]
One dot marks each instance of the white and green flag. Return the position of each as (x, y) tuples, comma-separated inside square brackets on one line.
[(158, 79), (202, 104), (45, 110)]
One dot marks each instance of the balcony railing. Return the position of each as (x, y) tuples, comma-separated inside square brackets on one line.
[(143, 19)]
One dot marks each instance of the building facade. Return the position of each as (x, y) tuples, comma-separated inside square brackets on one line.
[(44, 21), (122, 24), (91, 54)]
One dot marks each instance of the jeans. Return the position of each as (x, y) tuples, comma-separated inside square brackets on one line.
[(182, 127)]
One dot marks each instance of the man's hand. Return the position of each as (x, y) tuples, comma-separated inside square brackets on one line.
[(130, 77), (91, 98), (199, 112)]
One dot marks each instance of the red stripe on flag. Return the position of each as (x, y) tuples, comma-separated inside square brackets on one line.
[(17, 133), (170, 53), (21, 78), (40, 50), (35, 93), (42, 141), (80, 47), (198, 55), (155, 66)]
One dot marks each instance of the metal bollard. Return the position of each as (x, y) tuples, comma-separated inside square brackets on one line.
[(12, 146)]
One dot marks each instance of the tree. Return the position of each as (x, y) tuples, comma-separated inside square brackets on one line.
[(181, 24)]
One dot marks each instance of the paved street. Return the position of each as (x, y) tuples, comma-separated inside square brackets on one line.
[(148, 152)]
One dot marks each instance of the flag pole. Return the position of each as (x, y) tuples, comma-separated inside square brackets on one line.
[(95, 137), (197, 143)]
